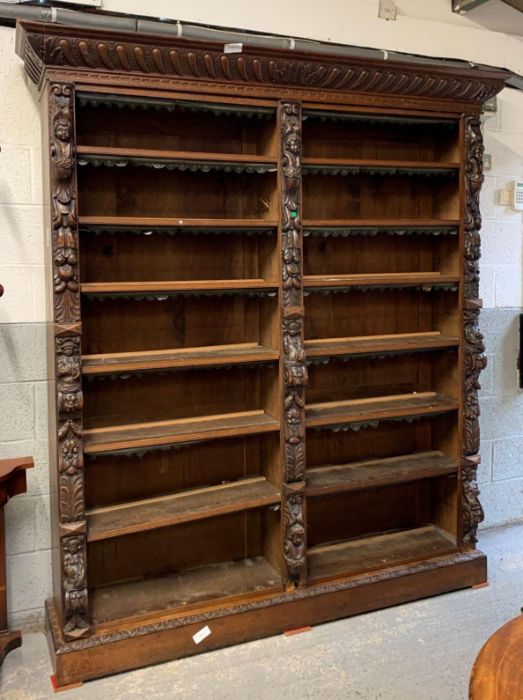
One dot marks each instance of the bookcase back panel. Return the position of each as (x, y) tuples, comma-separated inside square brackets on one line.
[(379, 312), (171, 549), (142, 258), (180, 394), (126, 325), (388, 439), (365, 196), (381, 253), (176, 130), (367, 377), (373, 511), (395, 141), (116, 478), (143, 191)]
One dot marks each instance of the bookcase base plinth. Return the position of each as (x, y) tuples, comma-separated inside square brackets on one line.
[(162, 638)]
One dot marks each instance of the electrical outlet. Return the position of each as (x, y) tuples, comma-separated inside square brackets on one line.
[(505, 198), (487, 162), (387, 9)]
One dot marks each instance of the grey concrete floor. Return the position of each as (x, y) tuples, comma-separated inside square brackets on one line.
[(419, 651)]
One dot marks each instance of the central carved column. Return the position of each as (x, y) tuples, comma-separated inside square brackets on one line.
[(295, 372)]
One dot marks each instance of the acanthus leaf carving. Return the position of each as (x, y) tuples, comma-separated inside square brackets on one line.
[(67, 350), (291, 204), (473, 181), (474, 348), (187, 60)]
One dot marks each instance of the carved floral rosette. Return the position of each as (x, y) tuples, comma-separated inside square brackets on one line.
[(474, 348), (295, 371), (68, 368)]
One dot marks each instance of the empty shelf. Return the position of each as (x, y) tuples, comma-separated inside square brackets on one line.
[(378, 344), (390, 279), (349, 166), (183, 589), (151, 223), (378, 472), (155, 434), (104, 288), (334, 413), (177, 160), (378, 552), (150, 360), (153, 513)]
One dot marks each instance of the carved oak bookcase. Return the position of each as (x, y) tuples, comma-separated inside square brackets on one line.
[(263, 277)]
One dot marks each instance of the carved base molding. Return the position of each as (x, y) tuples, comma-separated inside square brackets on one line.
[(171, 638)]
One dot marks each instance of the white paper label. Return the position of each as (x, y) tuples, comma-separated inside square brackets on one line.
[(201, 634), (232, 48)]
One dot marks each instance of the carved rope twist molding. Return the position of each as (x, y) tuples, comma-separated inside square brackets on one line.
[(474, 348), (176, 59), (68, 369)]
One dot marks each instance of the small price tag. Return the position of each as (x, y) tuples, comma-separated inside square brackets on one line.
[(201, 634), (232, 48)]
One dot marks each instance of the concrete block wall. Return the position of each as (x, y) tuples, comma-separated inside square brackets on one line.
[(501, 471), (23, 408)]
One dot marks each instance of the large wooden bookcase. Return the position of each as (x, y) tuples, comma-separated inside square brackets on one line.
[(263, 275)]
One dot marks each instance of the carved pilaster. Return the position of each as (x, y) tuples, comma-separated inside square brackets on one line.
[(295, 371), (68, 368), (473, 181), (474, 358)]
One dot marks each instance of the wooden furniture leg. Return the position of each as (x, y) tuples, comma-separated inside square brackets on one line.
[(12, 482), (498, 669)]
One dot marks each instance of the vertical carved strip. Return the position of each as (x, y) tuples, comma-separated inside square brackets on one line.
[(474, 348), (69, 399), (295, 372)]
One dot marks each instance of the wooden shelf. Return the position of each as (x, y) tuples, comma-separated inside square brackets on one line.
[(178, 160), (398, 227), (380, 223), (378, 552), (378, 344), (180, 358), (375, 118), (177, 287), (353, 166), (184, 589), (169, 432), (251, 111), (379, 408), (390, 279), (149, 223), (322, 481), (196, 504)]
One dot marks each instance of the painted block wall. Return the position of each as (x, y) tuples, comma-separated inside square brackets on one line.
[(23, 387)]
